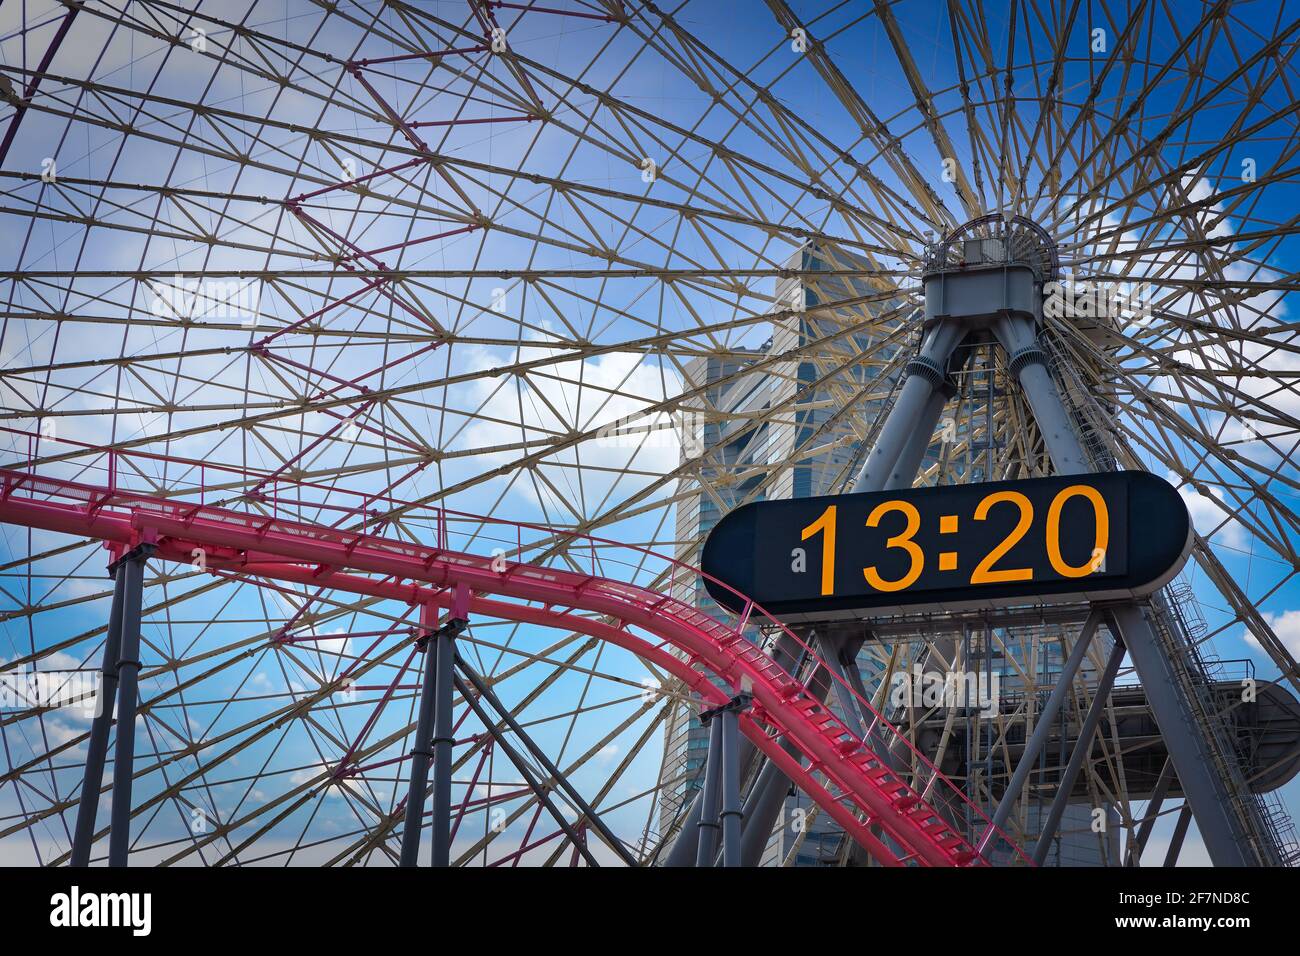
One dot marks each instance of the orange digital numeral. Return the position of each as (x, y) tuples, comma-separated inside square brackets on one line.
[(1100, 541), (903, 541), (825, 525), (984, 573)]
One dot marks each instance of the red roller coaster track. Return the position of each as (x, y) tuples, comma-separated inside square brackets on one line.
[(830, 763)]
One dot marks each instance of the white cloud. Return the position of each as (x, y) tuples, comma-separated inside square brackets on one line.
[(1287, 628), (575, 396), (1209, 512)]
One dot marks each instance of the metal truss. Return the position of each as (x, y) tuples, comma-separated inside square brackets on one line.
[(376, 269)]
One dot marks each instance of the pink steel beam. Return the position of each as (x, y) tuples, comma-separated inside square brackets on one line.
[(20, 108), (867, 792)]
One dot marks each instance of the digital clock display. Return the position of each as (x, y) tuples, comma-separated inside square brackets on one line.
[(1115, 534)]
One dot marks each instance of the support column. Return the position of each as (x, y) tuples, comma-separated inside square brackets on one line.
[(526, 772), (1154, 805), (1042, 729), (682, 852), (708, 825), (830, 654), (762, 805), (925, 373), (128, 674), (1082, 748), (420, 753), (1203, 794), (841, 663), (918, 442), (730, 721), (97, 747), (854, 677), (1180, 832), (485, 691), (444, 647), (683, 849), (1028, 363)]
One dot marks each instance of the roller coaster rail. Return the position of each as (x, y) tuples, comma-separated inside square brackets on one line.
[(859, 791)]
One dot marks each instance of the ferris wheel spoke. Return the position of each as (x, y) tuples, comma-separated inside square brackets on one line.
[(691, 60), (607, 270), (1190, 109)]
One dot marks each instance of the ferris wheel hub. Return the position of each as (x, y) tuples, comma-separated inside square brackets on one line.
[(987, 269)]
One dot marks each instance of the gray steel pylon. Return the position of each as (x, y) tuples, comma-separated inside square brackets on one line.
[(1005, 299), (97, 747), (128, 672), (421, 755)]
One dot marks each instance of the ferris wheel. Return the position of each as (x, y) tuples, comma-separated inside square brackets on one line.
[(397, 359)]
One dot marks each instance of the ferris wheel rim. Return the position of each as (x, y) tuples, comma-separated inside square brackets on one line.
[(588, 516)]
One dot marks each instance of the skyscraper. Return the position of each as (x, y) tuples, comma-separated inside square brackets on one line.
[(823, 404), (817, 409)]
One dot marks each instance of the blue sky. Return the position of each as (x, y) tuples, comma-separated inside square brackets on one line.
[(486, 418)]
